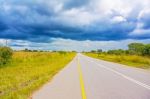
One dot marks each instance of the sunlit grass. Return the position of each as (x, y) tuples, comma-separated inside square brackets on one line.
[(28, 71), (130, 60)]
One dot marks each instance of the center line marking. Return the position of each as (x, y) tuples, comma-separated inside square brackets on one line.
[(81, 80)]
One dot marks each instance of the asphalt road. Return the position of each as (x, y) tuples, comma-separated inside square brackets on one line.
[(89, 78)]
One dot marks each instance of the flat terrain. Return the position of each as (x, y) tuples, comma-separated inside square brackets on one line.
[(129, 60), (89, 78), (27, 71)]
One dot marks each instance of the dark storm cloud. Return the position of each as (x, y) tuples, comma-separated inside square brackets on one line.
[(3, 26), (145, 19), (76, 3), (39, 21)]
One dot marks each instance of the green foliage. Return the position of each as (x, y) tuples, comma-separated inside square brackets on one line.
[(99, 50), (146, 50), (93, 51), (28, 50), (62, 52), (5, 55), (136, 48), (116, 52), (137, 55)]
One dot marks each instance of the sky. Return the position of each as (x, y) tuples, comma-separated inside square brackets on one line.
[(80, 25)]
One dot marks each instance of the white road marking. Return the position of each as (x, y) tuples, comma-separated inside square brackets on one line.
[(124, 76)]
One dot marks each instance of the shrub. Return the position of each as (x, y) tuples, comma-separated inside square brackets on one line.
[(136, 48), (5, 55), (146, 50), (117, 52), (62, 52)]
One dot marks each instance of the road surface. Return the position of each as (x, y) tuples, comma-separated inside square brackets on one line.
[(89, 78)]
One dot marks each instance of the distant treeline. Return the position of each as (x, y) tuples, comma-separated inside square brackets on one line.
[(133, 49), (29, 50), (6, 53)]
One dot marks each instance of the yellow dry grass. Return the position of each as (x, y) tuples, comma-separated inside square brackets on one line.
[(28, 71), (130, 60)]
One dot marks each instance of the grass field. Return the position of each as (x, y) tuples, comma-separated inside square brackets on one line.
[(130, 60), (28, 71)]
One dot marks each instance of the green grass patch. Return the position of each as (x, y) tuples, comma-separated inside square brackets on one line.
[(27, 71), (130, 60)]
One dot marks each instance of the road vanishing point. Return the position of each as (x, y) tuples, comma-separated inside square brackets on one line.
[(89, 78)]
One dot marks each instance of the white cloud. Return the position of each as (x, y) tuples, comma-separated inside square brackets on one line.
[(70, 45), (4, 42), (77, 16), (118, 19), (97, 10), (140, 31)]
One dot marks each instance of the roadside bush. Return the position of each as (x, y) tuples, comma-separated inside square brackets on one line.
[(136, 48), (62, 52), (146, 50), (117, 52), (5, 55)]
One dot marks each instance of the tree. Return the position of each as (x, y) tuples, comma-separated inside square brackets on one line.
[(117, 52), (136, 48), (146, 50), (62, 52), (99, 51), (5, 55), (93, 51)]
